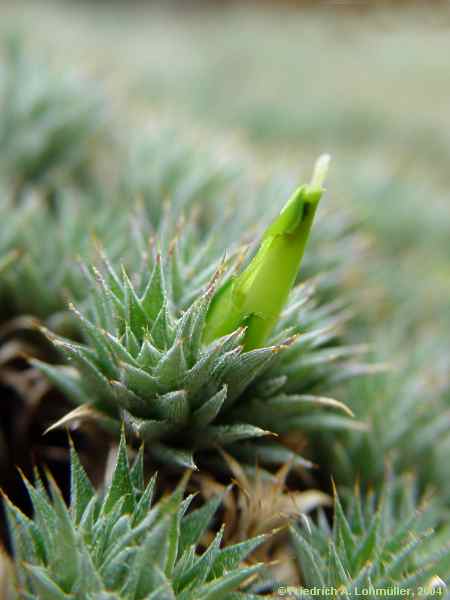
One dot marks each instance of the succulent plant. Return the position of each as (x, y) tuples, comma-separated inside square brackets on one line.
[(381, 545), (147, 359), (194, 336), (43, 243), (407, 407), (122, 545), (50, 241)]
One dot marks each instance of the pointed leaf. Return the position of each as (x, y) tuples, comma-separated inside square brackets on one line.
[(155, 292), (44, 586), (172, 407), (195, 524), (172, 366), (139, 381), (148, 430), (208, 412), (222, 435), (219, 589), (81, 489), (121, 486), (173, 456)]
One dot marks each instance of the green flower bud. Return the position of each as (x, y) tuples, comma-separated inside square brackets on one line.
[(256, 297)]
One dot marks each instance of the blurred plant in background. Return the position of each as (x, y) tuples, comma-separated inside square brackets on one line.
[(50, 128)]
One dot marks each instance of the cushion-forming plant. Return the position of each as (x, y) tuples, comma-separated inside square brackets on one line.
[(192, 349), (180, 381), (382, 543), (121, 545)]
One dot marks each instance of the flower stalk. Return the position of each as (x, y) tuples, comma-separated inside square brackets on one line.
[(256, 297)]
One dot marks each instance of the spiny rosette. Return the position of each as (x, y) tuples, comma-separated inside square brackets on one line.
[(49, 241), (180, 381), (382, 544), (120, 545)]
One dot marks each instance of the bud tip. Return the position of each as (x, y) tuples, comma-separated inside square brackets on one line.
[(320, 171)]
